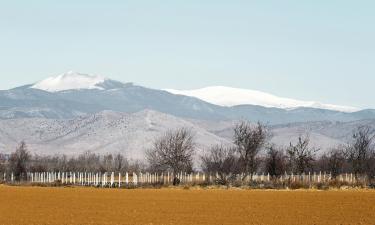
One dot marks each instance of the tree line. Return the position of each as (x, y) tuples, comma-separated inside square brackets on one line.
[(22, 161), (251, 152)]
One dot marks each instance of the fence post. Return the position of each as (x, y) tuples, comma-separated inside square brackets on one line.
[(126, 178), (112, 178), (135, 179)]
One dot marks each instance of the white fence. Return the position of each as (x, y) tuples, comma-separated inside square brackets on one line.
[(112, 179)]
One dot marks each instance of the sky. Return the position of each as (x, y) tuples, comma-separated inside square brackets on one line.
[(321, 50)]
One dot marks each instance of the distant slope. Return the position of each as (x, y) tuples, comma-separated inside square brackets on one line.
[(132, 134), (104, 132), (323, 135)]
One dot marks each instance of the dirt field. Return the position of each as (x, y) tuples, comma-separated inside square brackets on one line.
[(39, 206)]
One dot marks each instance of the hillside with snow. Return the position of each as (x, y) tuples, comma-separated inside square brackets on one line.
[(104, 132), (134, 133), (227, 96)]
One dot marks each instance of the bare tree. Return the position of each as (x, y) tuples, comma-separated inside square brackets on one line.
[(43, 163), (173, 151), (63, 163), (107, 163), (120, 162), (361, 150), (137, 166), (371, 169), (88, 162), (3, 162), (275, 161), (19, 161), (249, 140), (336, 160), (301, 156), (220, 160)]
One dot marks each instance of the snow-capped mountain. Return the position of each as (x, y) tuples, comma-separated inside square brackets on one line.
[(74, 94), (227, 96), (218, 95), (70, 81), (75, 112)]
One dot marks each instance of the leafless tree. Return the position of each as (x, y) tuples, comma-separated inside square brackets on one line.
[(19, 161), (88, 162), (220, 160), (275, 161), (121, 164), (173, 151), (63, 163), (336, 160), (301, 156), (43, 163), (249, 140), (3, 163), (361, 150), (371, 169), (136, 166), (107, 163)]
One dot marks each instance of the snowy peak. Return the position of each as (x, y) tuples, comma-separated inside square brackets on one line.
[(70, 81), (227, 96)]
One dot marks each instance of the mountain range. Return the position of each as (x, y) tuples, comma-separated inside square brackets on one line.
[(72, 94), (72, 112)]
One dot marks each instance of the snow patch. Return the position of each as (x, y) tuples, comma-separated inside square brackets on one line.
[(70, 81), (227, 96)]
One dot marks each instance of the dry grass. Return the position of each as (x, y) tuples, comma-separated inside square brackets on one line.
[(39, 206)]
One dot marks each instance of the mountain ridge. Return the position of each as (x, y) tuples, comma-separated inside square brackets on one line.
[(217, 95), (28, 102)]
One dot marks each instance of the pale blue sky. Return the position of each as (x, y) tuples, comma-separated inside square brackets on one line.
[(309, 50)]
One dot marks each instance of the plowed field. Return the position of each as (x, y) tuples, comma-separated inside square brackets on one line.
[(39, 206)]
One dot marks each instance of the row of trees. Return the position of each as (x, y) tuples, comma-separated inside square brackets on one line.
[(22, 161), (251, 152)]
